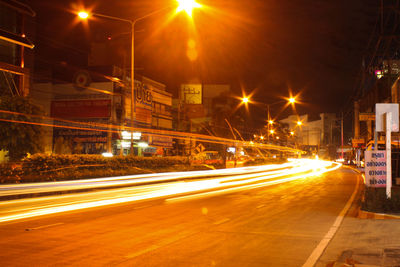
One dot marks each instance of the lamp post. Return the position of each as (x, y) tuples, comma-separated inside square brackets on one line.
[(184, 5), (290, 100)]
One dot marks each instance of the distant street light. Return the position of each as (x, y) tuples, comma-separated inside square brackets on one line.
[(299, 123), (83, 14), (291, 133), (271, 131), (245, 100), (186, 5), (292, 100)]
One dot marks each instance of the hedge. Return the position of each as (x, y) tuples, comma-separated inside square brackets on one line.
[(375, 200), (42, 167)]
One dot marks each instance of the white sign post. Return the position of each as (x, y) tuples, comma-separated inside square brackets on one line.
[(392, 125), (388, 155)]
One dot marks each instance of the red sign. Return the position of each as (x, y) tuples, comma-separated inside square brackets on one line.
[(81, 108)]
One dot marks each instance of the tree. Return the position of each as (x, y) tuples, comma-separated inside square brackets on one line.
[(19, 139)]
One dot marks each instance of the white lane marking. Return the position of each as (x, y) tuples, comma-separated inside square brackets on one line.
[(43, 226), (222, 221), (160, 245), (313, 258)]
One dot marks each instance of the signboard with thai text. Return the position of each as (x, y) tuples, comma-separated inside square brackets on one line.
[(91, 108), (191, 94), (357, 142), (375, 168)]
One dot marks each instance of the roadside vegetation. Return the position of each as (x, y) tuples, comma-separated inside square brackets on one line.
[(375, 200), (42, 167)]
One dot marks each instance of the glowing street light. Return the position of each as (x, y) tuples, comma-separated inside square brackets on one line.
[(271, 131), (245, 100), (187, 6), (299, 123), (270, 122), (291, 133), (292, 100), (83, 14), (262, 137)]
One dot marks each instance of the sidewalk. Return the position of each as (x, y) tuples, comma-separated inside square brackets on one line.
[(364, 239)]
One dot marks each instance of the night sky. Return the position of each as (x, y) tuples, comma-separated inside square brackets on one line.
[(264, 47)]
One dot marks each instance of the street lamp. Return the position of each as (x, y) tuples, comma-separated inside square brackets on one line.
[(299, 123), (186, 5)]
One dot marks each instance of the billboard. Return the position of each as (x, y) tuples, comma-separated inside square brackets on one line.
[(191, 94), (375, 168)]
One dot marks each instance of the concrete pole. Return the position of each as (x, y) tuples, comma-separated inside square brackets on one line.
[(356, 119), (388, 155)]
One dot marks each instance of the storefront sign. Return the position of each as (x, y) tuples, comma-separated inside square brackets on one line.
[(91, 108), (191, 94), (375, 168)]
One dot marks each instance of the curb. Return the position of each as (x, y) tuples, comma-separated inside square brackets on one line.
[(362, 214)]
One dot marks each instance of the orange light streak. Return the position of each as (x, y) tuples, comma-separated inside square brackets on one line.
[(302, 168)]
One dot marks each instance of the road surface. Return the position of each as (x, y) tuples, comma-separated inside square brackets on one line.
[(276, 225)]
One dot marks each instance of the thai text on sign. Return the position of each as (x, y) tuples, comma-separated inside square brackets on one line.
[(375, 168)]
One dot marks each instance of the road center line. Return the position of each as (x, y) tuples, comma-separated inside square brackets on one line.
[(317, 252)]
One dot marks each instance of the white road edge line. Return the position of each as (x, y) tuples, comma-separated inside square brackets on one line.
[(317, 252)]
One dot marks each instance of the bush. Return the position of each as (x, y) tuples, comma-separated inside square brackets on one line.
[(42, 167), (375, 200)]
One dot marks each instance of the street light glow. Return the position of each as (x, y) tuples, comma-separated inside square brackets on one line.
[(299, 123), (187, 6), (83, 14), (271, 122), (271, 131), (245, 100), (292, 100), (291, 133)]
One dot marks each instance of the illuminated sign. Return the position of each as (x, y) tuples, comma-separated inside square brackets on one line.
[(126, 135), (191, 93)]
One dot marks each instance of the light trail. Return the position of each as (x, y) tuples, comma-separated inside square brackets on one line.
[(153, 132), (172, 190), (130, 180)]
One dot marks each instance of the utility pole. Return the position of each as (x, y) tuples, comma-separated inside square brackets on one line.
[(341, 134)]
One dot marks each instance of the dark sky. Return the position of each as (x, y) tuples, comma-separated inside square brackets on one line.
[(312, 48)]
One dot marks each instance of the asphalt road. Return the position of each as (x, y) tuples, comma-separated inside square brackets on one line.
[(277, 225)]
